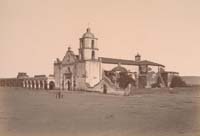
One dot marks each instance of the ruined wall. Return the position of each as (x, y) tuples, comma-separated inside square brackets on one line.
[(111, 88)]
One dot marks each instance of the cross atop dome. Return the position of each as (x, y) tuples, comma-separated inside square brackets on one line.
[(88, 30), (69, 48)]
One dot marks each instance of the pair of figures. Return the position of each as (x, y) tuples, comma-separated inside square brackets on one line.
[(59, 95)]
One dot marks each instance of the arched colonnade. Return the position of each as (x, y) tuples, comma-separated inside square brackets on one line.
[(39, 84)]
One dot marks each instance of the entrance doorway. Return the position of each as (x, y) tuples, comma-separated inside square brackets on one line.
[(68, 85), (67, 80), (51, 85)]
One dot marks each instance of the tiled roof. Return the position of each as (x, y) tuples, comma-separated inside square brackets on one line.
[(117, 61), (128, 62), (146, 62)]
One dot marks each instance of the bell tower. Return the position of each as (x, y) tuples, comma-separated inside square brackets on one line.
[(88, 46), (90, 69)]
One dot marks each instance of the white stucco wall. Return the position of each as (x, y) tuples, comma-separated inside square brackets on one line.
[(80, 76), (87, 43), (93, 72), (88, 54)]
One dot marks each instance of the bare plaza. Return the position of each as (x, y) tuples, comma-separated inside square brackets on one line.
[(157, 113)]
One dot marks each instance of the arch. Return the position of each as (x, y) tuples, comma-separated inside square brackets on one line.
[(36, 84), (45, 85), (68, 85), (1, 83), (51, 85), (41, 84), (11, 83), (24, 83), (7, 83), (4, 83), (29, 84), (120, 69)]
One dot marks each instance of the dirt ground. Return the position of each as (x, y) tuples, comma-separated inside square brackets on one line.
[(153, 112)]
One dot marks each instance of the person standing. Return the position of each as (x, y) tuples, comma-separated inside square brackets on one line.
[(128, 90), (104, 89)]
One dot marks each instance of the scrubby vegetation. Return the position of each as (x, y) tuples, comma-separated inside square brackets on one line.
[(124, 80), (177, 82)]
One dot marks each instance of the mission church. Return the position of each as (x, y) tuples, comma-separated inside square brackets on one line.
[(89, 71)]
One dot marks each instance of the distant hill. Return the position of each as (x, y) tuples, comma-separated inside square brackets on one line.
[(191, 80)]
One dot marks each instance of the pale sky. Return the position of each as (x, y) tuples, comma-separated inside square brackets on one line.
[(33, 33)]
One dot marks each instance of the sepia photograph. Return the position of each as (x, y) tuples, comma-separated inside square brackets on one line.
[(99, 68)]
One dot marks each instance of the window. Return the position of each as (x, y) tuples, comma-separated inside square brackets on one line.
[(69, 70), (93, 55), (92, 44), (82, 55), (82, 43)]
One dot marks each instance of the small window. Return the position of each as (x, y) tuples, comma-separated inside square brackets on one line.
[(93, 55), (69, 70), (82, 43), (92, 44)]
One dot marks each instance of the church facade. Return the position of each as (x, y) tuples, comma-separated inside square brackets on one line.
[(74, 71)]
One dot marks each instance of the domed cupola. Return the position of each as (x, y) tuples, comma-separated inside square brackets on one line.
[(88, 34), (138, 57)]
